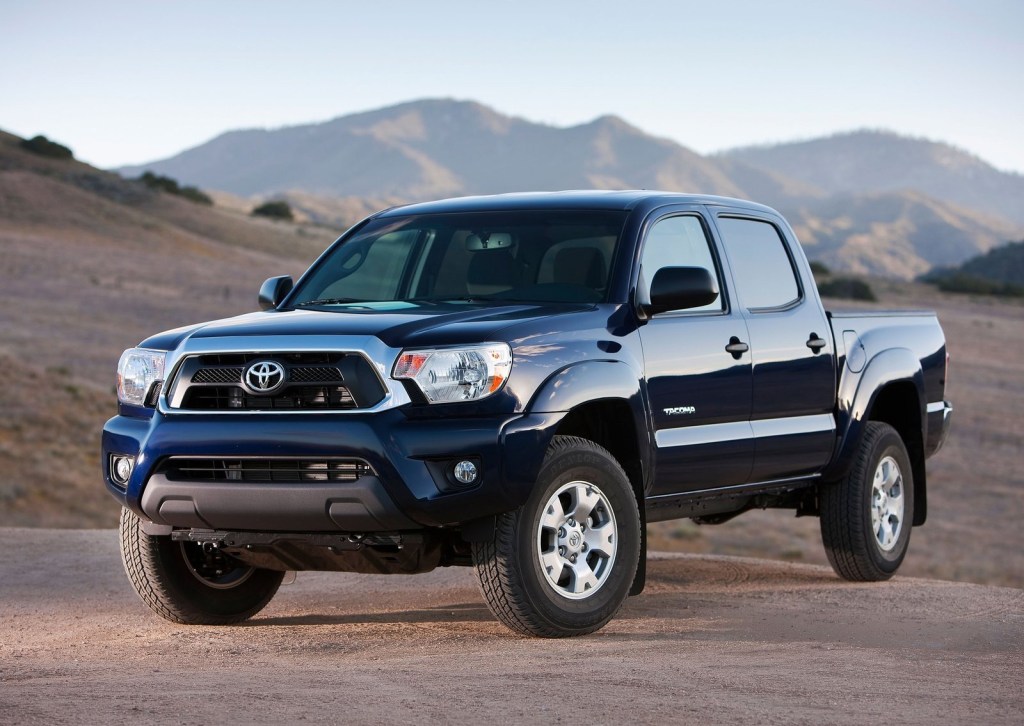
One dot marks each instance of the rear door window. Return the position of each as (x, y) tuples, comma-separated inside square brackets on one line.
[(760, 263)]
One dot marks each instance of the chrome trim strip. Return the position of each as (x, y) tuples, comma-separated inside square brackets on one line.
[(793, 426), (705, 434), (739, 430), (936, 406), (380, 357)]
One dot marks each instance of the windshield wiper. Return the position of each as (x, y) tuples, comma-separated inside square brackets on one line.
[(329, 301), (463, 298)]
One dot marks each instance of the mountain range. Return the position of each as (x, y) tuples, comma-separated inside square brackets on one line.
[(869, 201)]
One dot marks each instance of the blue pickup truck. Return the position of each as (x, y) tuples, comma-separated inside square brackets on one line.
[(520, 383)]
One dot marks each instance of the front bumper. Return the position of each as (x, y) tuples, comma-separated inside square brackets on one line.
[(407, 454)]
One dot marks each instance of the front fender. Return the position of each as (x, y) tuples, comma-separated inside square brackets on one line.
[(857, 395), (591, 381), (584, 382), (527, 439)]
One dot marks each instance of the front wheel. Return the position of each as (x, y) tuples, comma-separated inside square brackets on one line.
[(563, 563), (183, 583), (866, 517)]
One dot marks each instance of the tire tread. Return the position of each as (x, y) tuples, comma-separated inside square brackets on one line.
[(497, 574), (140, 554), (843, 515)]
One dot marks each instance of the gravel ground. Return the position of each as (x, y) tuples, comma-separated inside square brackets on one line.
[(712, 640)]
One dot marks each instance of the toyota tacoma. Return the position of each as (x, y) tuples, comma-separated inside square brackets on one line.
[(520, 383)]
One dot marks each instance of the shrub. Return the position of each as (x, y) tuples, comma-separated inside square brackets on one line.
[(274, 210), (962, 282), (847, 288), (171, 186), (44, 147), (197, 195), (819, 269), (1000, 271), (163, 183)]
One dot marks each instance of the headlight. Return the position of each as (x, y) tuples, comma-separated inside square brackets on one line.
[(137, 371), (446, 375)]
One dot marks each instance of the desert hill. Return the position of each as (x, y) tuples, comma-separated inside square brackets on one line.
[(884, 221), (881, 161), (90, 264), (892, 234), (1004, 264)]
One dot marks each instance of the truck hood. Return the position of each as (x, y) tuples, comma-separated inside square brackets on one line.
[(435, 324)]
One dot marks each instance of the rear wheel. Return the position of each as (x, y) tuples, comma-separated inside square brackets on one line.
[(866, 517), (562, 564), (186, 583)]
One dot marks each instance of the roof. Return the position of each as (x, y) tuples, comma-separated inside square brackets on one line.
[(566, 200)]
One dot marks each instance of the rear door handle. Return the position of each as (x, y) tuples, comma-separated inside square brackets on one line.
[(815, 343), (736, 347)]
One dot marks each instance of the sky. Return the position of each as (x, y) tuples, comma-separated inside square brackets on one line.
[(131, 82)]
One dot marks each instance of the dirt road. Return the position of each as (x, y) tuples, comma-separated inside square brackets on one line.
[(713, 640)]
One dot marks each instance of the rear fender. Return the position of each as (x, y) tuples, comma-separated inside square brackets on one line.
[(858, 393)]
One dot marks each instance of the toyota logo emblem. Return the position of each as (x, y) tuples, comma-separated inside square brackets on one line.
[(264, 376)]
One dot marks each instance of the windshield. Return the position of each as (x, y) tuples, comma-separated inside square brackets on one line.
[(529, 256)]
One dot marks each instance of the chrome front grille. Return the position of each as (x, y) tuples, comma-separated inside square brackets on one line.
[(313, 381)]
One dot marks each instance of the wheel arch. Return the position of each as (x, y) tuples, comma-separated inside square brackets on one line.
[(603, 403), (889, 389), (899, 405)]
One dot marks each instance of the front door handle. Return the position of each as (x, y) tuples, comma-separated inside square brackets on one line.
[(815, 343), (736, 347)]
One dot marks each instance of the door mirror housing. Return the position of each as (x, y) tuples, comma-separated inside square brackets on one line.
[(274, 290), (681, 288)]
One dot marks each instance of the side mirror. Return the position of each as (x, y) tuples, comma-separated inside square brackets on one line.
[(681, 288), (273, 291)]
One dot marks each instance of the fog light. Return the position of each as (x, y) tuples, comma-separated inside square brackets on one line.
[(465, 472), (121, 468)]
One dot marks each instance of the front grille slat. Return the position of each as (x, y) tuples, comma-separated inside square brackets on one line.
[(297, 398), (265, 470), (317, 374), (217, 375)]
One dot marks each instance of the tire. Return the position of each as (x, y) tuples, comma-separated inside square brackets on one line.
[(181, 584), (866, 516), (582, 502)]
